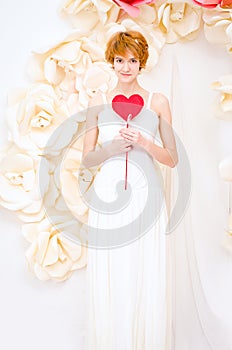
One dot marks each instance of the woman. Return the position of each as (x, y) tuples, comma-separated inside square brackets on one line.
[(127, 249)]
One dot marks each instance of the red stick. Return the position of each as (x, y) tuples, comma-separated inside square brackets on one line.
[(127, 124)]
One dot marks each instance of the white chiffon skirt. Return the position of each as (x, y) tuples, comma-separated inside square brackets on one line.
[(127, 289)]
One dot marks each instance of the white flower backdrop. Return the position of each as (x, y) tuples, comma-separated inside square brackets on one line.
[(61, 82)]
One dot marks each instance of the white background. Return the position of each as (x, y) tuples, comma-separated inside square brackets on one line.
[(50, 315)]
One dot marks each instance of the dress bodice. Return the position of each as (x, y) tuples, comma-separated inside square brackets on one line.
[(139, 160)]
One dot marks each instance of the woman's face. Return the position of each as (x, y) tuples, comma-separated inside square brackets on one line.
[(126, 67)]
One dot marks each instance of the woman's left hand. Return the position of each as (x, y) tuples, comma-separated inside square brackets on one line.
[(133, 135)]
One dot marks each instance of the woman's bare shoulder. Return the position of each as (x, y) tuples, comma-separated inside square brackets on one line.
[(158, 101), (96, 100), (95, 106), (159, 98)]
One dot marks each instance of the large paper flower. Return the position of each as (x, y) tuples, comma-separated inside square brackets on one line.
[(98, 78), (147, 15), (178, 20), (60, 64), (69, 181), (88, 13), (223, 108), (34, 117), (218, 26), (73, 182), (21, 186), (52, 255)]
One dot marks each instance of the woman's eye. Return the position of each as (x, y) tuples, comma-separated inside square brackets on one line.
[(119, 60), (134, 60)]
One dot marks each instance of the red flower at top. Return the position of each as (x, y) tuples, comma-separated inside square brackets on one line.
[(130, 6), (214, 3)]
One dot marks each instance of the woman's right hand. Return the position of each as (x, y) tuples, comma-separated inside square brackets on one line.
[(118, 145)]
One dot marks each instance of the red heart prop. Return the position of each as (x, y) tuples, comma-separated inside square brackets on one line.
[(124, 106)]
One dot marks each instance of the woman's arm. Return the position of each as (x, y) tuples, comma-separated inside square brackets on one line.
[(168, 153), (90, 157)]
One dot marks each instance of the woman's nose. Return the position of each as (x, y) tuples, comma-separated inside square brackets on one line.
[(126, 66)]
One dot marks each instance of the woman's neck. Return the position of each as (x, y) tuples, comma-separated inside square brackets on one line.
[(127, 89)]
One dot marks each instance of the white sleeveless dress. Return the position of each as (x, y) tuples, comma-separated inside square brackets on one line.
[(126, 269)]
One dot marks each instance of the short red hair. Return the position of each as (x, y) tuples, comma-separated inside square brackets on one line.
[(122, 42)]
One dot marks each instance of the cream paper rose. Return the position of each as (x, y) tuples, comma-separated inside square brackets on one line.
[(88, 13), (218, 26), (223, 107), (98, 78), (73, 182), (35, 118), (178, 20), (23, 183), (63, 63), (51, 254)]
